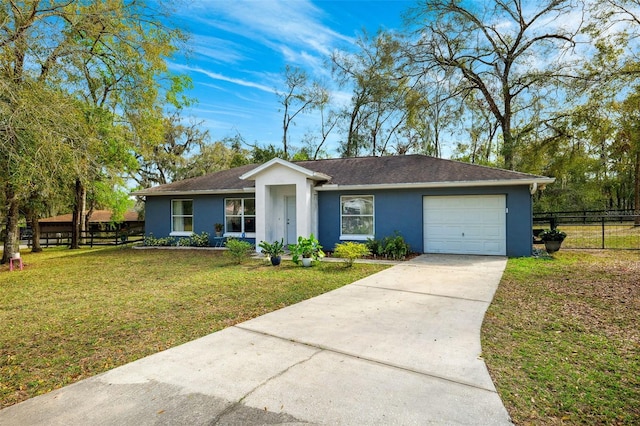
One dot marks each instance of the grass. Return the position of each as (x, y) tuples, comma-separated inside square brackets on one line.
[(73, 314), (562, 338), (616, 235)]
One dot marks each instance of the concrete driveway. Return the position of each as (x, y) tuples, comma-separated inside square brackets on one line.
[(398, 347)]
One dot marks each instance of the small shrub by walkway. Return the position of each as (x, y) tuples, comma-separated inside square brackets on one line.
[(562, 338), (73, 314)]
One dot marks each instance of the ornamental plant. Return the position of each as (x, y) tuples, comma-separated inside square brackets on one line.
[(552, 235), (350, 251), (274, 249), (306, 247)]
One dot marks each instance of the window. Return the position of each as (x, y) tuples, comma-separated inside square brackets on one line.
[(181, 217), (240, 215), (356, 216)]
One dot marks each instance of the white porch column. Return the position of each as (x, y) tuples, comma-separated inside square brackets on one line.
[(261, 212)]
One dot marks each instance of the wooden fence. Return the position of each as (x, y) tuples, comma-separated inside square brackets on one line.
[(89, 238)]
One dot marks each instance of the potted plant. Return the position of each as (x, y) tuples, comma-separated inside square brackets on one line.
[(274, 251), (306, 251), (552, 239), (218, 227)]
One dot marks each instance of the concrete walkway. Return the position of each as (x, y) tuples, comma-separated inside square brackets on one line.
[(398, 347)]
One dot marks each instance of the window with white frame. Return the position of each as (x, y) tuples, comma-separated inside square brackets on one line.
[(181, 217), (240, 215), (356, 216)]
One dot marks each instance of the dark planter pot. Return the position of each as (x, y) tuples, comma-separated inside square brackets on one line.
[(552, 246), (275, 260)]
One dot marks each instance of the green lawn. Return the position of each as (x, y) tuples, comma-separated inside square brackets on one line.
[(616, 236), (72, 314), (562, 338)]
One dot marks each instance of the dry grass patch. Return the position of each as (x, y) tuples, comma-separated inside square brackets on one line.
[(561, 338), (72, 314)]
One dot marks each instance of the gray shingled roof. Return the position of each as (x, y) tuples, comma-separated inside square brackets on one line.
[(390, 170)]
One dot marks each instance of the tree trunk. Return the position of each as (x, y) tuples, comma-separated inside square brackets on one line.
[(636, 191), (32, 220), (78, 215), (35, 242), (12, 237)]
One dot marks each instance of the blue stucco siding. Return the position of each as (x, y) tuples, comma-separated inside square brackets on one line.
[(401, 210), (207, 211)]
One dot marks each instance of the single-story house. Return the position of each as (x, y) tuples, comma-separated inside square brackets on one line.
[(437, 205), (100, 220)]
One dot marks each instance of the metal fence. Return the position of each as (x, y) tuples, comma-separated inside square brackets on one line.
[(89, 238), (593, 230)]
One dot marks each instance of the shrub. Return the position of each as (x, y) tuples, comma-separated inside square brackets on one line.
[(395, 247), (201, 240), (238, 250), (374, 246), (351, 251), (195, 240), (151, 241)]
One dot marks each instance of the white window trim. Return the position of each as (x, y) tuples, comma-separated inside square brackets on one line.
[(182, 233), (354, 237), (358, 237), (239, 234)]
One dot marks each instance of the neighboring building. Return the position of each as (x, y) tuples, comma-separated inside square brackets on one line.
[(100, 220), (437, 205)]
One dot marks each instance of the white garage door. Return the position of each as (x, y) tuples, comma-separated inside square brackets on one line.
[(473, 224)]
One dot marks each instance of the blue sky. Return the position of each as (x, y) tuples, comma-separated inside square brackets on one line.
[(240, 49)]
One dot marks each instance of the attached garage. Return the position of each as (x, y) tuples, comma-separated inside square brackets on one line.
[(470, 224)]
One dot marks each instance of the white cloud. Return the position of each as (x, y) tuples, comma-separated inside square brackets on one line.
[(221, 77), (293, 29)]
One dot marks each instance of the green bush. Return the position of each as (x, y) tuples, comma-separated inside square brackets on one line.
[(351, 251), (395, 247), (238, 250), (374, 246), (151, 241), (195, 240), (201, 240)]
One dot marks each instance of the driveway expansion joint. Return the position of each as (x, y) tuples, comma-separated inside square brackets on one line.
[(423, 293), (322, 348)]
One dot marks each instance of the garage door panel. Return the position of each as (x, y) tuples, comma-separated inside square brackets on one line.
[(465, 224)]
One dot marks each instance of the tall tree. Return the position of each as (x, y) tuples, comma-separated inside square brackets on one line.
[(104, 55), (494, 48), (379, 104), (164, 162), (301, 95)]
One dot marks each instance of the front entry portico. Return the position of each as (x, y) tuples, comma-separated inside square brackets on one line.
[(286, 201)]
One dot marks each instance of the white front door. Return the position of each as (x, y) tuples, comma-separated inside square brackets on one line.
[(291, 236), (471, 224)]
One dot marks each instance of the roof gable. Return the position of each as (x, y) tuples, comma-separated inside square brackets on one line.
[(252, 174)]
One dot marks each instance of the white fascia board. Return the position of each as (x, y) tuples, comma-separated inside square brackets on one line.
[(195, 192), (306, 172), (458, 184)]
